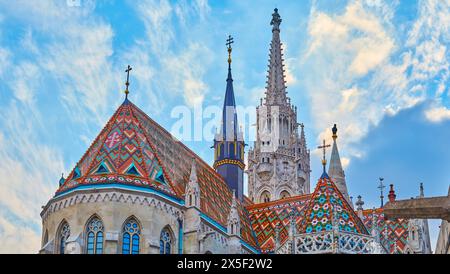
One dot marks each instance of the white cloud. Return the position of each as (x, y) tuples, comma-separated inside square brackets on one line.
[(181, 69), (356, 70), (26, 173), (437, 114)]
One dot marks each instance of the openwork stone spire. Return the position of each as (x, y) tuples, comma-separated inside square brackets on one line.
[(276, 84)]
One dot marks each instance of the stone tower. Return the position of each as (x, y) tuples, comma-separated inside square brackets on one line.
[(229, 142), (279, 163)]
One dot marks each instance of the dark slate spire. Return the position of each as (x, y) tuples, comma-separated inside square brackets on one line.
[(229, 144), (229, 116)]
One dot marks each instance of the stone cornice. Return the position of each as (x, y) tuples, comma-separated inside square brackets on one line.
[(111, 195)]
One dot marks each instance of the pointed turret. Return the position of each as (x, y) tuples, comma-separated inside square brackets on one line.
[(229, 144), (192, 198), (234, 221), (276, 84), (335, 170)]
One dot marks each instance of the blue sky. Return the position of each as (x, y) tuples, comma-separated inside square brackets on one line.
[(379, 69)]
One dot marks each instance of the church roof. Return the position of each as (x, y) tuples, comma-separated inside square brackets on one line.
[(391, 231), (133, 149), (266, 217), (326, 206), (121, 153)]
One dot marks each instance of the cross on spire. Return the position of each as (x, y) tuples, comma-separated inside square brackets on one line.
[(228, 44), (324, 160), (129, 68), (381, 187)]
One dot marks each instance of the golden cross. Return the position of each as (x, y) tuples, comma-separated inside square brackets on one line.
[(324, 160), (129, 68), (229, 42)]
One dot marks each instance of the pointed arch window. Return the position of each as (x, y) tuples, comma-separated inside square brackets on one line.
[(285, 194), (63, 235), (265, 197), (131, 234), (94, 236), (165, 241)]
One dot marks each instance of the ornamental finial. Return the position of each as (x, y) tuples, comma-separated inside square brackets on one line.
[(276, 20), (129, 68), (229, 42), (334, 129)]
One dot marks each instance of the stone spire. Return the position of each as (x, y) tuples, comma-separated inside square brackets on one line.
[(335, 170), (234, 221), (192, 198), (276, 84)]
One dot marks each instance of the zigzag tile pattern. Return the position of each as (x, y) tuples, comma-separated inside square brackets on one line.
[(266, 217), (393, 232)]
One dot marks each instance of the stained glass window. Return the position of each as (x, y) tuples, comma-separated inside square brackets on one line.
[(165, 242), (131, 237), (63, 235), (94, 232)]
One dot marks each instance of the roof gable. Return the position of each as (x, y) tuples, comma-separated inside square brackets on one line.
[(326, 205), (121, 153)]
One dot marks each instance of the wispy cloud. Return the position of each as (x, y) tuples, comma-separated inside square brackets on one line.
[(357, 70)]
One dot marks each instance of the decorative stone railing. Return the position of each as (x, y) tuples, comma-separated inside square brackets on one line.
[(336, 242)]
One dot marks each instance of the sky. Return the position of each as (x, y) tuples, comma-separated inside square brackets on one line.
[(378, 69)]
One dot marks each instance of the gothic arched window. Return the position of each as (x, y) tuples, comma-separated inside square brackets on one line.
[(231, 150), (131, 237), (63, 235), (284, 194), (165, 241), (94, 236), (265, 197)]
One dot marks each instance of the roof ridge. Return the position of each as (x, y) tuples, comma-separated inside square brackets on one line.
[(155, 151), (279, 201), (106, 128), (204, 164)]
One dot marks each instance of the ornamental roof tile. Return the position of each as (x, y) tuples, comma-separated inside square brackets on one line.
[(326, 206), (133, 149), (266, 217), (391, 231)]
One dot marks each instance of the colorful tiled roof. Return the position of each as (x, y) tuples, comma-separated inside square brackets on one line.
[(326, 201), (121, 153), (267, 216), (391, 231), (134, 149)]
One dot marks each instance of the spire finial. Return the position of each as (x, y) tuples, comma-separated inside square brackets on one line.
[(229, 42), (334, 129), (324, 160), (381, 187), (391, 195), (359, 203), (129, 68), (276, 20)]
